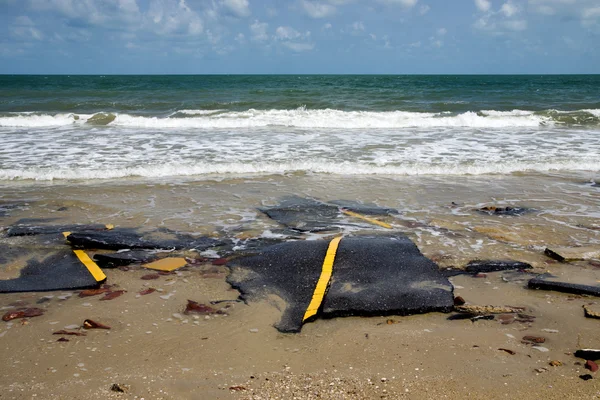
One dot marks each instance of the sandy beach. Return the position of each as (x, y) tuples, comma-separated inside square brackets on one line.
[(155, 351)]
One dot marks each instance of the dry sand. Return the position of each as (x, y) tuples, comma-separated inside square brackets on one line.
[(155, 352)]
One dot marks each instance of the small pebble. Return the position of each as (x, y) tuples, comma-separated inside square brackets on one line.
[(254, 330)]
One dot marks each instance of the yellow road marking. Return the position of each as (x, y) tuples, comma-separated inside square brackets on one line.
[(90, 265), (324, 279), (371, 220)]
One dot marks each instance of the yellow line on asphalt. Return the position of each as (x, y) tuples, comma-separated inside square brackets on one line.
[(323, 283)]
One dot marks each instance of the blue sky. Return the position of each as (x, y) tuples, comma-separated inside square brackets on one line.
[(299, 36)]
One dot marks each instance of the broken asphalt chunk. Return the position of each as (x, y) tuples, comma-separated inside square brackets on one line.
[(118, 239), (511, 211), (550, 282), (478, 266), (371, 275), (114, 260), (588, 354), (29, 230), (57, 271)]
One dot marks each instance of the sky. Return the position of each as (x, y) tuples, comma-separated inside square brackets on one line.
[(299, 36)]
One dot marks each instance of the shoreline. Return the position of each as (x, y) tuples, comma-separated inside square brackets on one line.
[(153, 352)]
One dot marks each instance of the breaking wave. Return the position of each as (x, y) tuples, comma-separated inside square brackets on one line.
[(306, 118), (260, 169)]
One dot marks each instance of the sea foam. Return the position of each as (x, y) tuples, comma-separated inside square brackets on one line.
[(298, 118)]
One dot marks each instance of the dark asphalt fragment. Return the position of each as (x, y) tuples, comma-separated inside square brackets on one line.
[(550, 282), (478, 266), (54, 271), (375, 275), (114, 260)]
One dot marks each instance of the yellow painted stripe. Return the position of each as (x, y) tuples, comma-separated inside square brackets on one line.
[(65, 234), (371, 220), (90, 265), (324, 279)]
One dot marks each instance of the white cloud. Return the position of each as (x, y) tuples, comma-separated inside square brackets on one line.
[(240, 38), (24, 28), (442, 31), (240, 8), (515, 25), (424, 9), (172, 17), (403, 3), (286, 33), (358, 26), (483, 5), (299, 47), (509, 9), (315, 9), (105, 12), (259, 31), (327, 26)]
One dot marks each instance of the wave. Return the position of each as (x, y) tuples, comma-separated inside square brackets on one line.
[(306, 118), (260, 169)]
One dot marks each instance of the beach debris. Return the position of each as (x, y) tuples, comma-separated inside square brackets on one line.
[(482, 317), (167, 264), (541, 348), (551, 282), (55, 270), (566, 254), (94, 292), (591, 365), (510, 211), (237, 388), (121, 259), (528, 339), (72, 333), (23, 313), (311, 215), (112, 294), (219, 261), (589, 313), (149, 277), (483, 310), (482, 266), (509, 351), (459, 301), (119, 388), (147, 291), (588, 354), (198, 308), (541, 370), (31, 230), (121, 238), (91, 324), (555, 363), (399, 280), (62, 339), (586, 377)]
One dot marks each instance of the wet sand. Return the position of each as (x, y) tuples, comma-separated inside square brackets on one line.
[(155, 352)]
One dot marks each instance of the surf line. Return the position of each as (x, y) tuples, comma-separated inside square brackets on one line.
[(371, 220), (324, 279)]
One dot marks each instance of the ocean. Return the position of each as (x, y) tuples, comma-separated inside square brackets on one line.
[(201, 153), (114, 127)]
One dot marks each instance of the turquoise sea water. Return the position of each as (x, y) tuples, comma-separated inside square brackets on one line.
[(98, 127)]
